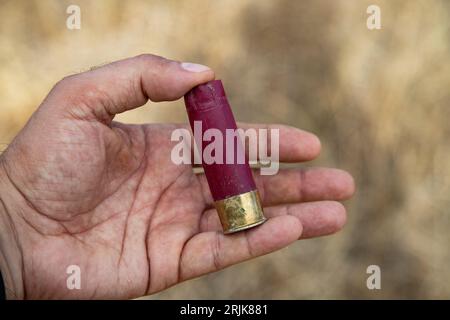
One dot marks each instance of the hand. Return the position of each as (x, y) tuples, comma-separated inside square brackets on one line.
[(77, 188)]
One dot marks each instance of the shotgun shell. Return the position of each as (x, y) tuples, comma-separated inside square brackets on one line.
[(231, 182)]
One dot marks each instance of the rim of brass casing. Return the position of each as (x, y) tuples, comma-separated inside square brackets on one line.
[(240, 212)]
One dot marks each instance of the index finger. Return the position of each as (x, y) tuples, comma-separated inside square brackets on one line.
[(294, 144)]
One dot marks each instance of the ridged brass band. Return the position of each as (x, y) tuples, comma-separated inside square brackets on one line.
[(240, 212)]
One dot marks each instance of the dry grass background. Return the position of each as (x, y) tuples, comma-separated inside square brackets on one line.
[(379, 100)]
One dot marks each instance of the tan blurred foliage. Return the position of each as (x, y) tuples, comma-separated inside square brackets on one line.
[(379, 100)]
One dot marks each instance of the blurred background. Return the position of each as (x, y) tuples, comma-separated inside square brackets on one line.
[(379, 100)]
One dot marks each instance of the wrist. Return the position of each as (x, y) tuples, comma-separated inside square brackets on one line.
[(11, 262)]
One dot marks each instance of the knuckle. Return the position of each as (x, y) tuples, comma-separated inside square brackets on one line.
[(77, 91), (146, 56), (68, 85), (64, 83), (152, 59)]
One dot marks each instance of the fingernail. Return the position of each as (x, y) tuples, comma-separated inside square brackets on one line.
[(194, 67)]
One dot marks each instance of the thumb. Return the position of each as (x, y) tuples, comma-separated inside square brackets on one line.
[(126, 84)]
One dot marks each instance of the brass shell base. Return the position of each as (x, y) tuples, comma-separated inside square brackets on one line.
[(240, 212)]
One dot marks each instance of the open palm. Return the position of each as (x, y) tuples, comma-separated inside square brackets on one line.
[(83, 190)]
